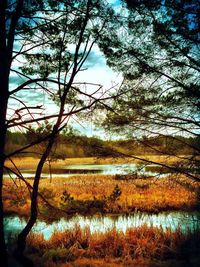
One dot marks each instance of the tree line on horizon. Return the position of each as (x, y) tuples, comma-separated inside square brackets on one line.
[(74, 144)]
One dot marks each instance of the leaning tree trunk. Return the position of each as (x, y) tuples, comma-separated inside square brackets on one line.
[(21, 242)]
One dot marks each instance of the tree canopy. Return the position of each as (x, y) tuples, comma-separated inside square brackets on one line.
[(160, 61)]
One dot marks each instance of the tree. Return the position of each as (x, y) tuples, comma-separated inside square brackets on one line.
[(45, 44), (160, 62)]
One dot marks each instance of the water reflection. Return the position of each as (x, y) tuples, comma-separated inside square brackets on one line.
[(106, 169), (112, 168), (101, 224)]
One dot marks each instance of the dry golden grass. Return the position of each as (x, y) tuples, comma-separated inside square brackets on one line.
[(140, 194), (31, 162), (141, 247), (151, 195)]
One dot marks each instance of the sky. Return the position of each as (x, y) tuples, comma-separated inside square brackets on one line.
[(97, 72)]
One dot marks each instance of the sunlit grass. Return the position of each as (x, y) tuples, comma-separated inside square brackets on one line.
[(31, 162), (142, 246), (152, 195)]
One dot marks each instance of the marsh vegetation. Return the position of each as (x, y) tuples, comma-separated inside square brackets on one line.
[(106, 220)]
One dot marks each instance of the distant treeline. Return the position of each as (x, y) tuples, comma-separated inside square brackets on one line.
[(77, 145)]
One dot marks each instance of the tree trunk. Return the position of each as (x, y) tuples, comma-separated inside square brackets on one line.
[(3, 108), (21, 242)]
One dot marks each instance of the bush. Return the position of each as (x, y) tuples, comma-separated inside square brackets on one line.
[(66, 198), (116, 193), (82, 206), (86, 206)]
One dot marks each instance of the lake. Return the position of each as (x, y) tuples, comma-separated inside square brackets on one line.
[(103, 223), (105, 169)]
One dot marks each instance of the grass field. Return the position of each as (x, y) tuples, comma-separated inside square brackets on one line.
[(112, 194), (140, 247), (31, 163), (92, 193)]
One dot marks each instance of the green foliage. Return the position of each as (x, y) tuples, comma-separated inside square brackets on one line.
[(39, 133), (162, 49), (162, 73), (73, 98)]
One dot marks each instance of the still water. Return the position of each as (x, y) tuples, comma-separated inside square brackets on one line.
[(103, 223), (106, 169)]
